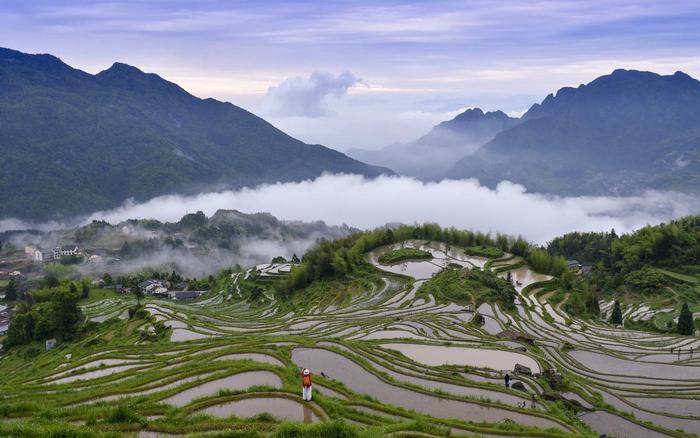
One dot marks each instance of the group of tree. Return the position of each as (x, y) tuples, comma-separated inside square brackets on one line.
[(52, 313), (627, 259), (11, 290), (341, 257)]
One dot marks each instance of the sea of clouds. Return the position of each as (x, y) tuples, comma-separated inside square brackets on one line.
[(368, 203)]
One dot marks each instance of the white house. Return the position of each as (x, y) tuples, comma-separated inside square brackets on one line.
[(56, 253)]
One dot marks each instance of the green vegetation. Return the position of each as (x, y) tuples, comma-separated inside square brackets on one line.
[(343, 256), (685, 321), (616, 316), (490, 252), (54, 315), (472, 286), (11, 291), (401, 254), (541, 261), (196, 142)]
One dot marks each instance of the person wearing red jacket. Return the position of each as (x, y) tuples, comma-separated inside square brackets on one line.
[(306, 384)]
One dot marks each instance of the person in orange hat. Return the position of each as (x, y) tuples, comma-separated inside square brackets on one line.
[(306, 384)]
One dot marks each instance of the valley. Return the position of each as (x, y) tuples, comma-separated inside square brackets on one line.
[(387, 356)]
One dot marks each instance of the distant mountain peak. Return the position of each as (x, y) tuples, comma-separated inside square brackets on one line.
[(124, 133), (42, 60), (619, 133), (122, 68)]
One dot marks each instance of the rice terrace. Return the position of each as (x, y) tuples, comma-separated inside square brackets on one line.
[(406, 332)]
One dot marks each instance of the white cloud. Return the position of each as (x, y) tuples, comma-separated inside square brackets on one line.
[(356, 201), (307, 97)]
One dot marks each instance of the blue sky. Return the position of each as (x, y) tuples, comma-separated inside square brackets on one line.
[(363, 73)]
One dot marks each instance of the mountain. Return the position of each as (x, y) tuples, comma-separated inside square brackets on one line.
[(72, 142), (619, 134), (437, 151)]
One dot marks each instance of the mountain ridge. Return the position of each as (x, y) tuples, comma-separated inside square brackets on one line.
[(74, 142), (619, 134), (432, 154)]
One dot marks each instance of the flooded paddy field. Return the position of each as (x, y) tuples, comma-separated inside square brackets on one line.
[(383, 357)]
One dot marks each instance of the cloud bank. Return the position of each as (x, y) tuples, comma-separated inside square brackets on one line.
[(363, 203), (306, 96)]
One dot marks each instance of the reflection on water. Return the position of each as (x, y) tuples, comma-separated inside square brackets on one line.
[(278, 407)]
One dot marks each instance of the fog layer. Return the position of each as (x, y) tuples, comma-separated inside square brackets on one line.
[(363, 203)]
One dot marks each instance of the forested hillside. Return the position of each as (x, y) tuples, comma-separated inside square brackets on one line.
[(74, 143)]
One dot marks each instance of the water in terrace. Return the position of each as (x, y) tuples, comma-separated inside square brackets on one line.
[(235, 382), (279, 407), (604, 423), (94, 374), (451, 388), (256, 357), (359, 380), (329, 392), (181, 335), (611, 365), (674, 406), (435, 355)]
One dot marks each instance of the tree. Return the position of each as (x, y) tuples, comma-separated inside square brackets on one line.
[(616, 317), (11, 291), (566, 280), (107, 279), (85, 291), (685, 321), (138, 293), (592, 305), (51, 281), (21, 329)]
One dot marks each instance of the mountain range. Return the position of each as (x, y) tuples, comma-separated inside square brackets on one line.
[(620, 134), (72, 142), (432, 155)]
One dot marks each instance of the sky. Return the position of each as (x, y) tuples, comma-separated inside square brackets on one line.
[(363, 73)]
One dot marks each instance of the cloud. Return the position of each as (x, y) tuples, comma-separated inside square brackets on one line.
[(363, 203), (251, 252), (307, 97)]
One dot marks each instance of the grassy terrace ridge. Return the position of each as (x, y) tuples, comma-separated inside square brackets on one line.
[(184, 368), (402, 254), (490, 252), (469, 286)]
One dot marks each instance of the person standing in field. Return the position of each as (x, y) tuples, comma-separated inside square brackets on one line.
[(306, 384)]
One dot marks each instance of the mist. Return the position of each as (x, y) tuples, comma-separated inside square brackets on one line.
[(190, 264), (363, 203)]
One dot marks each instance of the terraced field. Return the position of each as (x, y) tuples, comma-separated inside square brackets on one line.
[(383, 359)]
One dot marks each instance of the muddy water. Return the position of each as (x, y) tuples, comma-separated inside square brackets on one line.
[(363, 382), (257, 357), (415, 269), (235, 382), (435, 355), (278, 407), (606, 423), (526, 277)]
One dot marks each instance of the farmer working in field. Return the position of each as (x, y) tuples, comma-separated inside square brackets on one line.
[(306, 383)]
